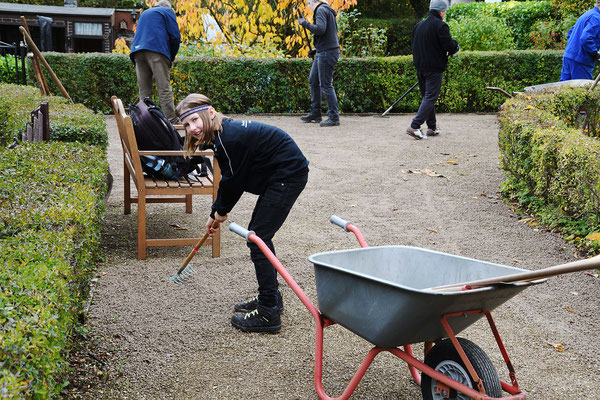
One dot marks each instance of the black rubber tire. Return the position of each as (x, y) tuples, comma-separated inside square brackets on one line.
[(444, 358)]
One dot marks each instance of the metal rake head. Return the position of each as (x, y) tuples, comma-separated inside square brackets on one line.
[(183, 275)]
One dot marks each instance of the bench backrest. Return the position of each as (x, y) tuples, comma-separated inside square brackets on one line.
[(130, 149)]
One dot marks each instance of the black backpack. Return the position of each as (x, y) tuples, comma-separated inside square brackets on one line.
[(153, 131)]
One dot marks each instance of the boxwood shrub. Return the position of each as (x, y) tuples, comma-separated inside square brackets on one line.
[(552, 165), (51, 208), (68, 122), (363, 85)]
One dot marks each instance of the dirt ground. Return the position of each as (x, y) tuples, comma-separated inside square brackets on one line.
[(151, 339)]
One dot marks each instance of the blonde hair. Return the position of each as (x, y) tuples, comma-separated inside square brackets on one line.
[(210, 126)]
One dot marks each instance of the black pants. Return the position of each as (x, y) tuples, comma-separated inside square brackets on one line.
[(270, 212), (430, 85), (321, 81)]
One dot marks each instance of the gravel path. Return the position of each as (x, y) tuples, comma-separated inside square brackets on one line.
[(151, 339)]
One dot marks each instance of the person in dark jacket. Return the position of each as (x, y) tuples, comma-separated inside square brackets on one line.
[(155, 45), (583, 43), (259, 159), (431, 46), (327, 54)]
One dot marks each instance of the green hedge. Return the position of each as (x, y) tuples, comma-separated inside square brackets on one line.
[(51, 207), (68, 122), (363, 85), (552, 167)]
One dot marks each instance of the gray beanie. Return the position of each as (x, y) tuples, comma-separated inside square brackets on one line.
[(439, 5)]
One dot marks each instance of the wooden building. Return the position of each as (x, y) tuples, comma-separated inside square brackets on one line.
[(71, 29)]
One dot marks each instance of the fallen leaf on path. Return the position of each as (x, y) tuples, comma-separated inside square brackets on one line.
[(594, 236), (592, 274), (557, 346), (569, 309), (179, 228), (427, 172), (451, 162), (432, 230), (526, 220)]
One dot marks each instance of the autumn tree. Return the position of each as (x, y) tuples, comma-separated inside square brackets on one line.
[(248, 23)]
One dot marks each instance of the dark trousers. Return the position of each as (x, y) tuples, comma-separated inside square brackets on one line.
[(321, 81), (270, 212), (430, 85)]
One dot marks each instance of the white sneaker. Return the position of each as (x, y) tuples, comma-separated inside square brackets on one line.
[(416, 133), (431, 132)]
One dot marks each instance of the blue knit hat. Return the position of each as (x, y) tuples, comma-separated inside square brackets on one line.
[(439, 5)]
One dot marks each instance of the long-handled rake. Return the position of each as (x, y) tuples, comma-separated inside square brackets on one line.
[(397, 101), (186, 271)]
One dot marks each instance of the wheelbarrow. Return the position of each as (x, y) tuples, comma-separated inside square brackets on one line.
[(395, 296)]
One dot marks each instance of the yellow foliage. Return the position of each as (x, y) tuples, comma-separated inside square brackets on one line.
[(121, 46), (247, 23)]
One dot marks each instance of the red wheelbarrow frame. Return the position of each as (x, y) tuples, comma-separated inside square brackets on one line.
[(444, 382)]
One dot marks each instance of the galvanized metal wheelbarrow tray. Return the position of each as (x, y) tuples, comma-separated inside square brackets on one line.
[(384, 294)]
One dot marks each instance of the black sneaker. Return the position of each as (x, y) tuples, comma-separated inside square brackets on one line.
[(251, 305), (311, 118), (257, 321), (330, 122)]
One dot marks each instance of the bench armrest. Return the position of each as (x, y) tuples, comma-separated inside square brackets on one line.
[(174, 153)]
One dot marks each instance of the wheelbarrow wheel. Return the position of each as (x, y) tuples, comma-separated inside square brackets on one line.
[(445, 359)]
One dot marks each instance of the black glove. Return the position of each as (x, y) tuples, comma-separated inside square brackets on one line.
[(312, 53), (301, 21)]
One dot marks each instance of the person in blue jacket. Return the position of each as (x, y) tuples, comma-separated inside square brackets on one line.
[(259, 159), (155, 45), (583, 43)]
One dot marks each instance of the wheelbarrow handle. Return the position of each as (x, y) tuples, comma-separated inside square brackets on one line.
[(342, 223), (243, 232)]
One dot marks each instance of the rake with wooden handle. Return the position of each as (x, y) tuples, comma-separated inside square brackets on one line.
[(581, 265), (186, 271)]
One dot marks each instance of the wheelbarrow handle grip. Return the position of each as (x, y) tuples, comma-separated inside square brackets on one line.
[(342, 223), (243, 232)]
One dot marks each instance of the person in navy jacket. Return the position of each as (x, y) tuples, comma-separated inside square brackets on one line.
[(155, 45), (583, 43), (431, 45), (259, 159)]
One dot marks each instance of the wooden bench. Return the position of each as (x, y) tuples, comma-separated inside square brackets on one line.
[(153, 190)]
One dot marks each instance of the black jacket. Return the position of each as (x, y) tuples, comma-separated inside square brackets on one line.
[(252, 155), (324, 29), (432, 44)]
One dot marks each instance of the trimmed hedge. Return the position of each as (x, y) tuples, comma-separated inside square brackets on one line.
[(552, 167), (363, 85), (51, 208), (68, 122), (51, 211)]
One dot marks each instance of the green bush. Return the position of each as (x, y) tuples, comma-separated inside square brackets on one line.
[(519, 17), (68, 122), (552, 167), (51, 207), (8, 69), (572, 8), (550, 34), (397, 30), (359, 40), (483, 33), (363, 85)]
